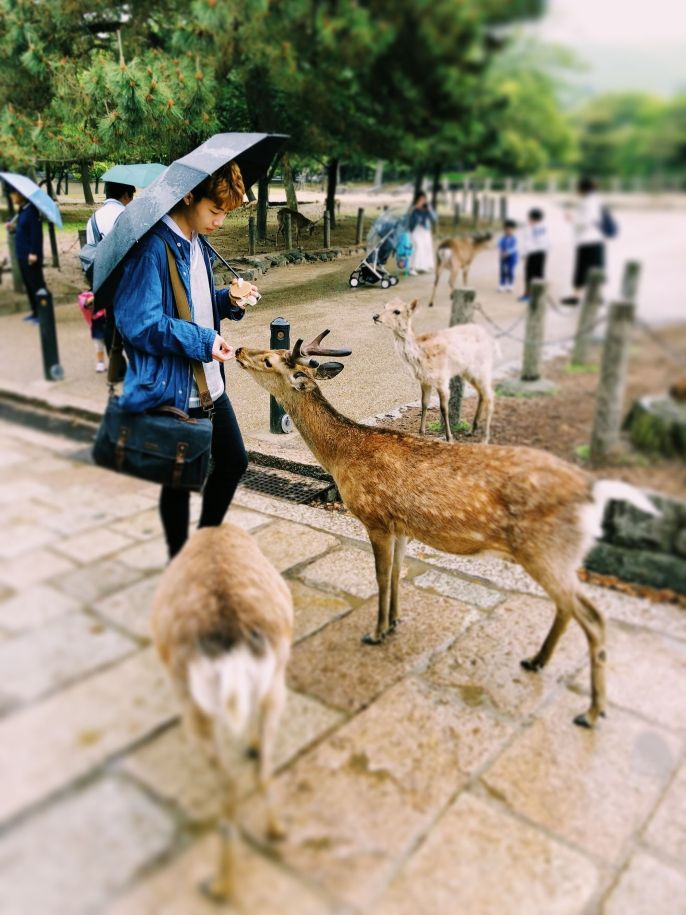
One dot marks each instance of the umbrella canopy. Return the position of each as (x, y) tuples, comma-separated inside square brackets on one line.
[(35, 195), (140, 174), (253, 152)]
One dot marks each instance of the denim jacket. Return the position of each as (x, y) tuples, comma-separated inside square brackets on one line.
[(159, 345)]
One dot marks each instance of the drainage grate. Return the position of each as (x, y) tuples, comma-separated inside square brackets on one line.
[(285, 485)]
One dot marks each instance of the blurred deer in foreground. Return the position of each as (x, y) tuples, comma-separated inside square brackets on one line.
[(222, 623), (457, 254), (465, 349), (298, 222), (524, 504)]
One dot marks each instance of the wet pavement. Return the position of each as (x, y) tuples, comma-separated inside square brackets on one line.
[(427, 776)]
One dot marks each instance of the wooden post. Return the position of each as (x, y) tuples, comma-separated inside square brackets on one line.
[(461, 312), (17, 282), (359, 229), (503, 207), (252, 234), (593, 299), (465, 193), (288, 231), (51, 225), (83, 237), (475, 210), (327, 229), (607, 422), (456, 216), (630, 278), (535, 332)]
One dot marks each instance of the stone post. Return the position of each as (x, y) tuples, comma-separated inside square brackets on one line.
[(535, 332), (475, 210), (327, 229), (456, 215), (605, 437), (461, 312), (630, 278), (359, 230), (503, 207), (252, 234), (593, 299), (288, 231)]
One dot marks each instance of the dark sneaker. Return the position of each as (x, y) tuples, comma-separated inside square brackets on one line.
[(31, 319), (570, 300)]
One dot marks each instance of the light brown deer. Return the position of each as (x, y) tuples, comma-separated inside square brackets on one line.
[(298, 221), (466, 350), (522, 503), (457, 254), (222, 622)]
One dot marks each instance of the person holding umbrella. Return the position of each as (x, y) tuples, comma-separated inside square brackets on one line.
[(28, 235)]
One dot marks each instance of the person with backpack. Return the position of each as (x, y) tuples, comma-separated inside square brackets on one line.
[(117, 196), (593, 223)]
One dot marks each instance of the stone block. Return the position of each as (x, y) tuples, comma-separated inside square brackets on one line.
[(594, 789), (287, 544), (655, 569), (351, 571), (33, 607), (479, 860), (335, 667), (626, 526), (505, 575), (460, 589), (77, 854), (49, 745), (32, 568), (130, 607), (92, 545), (359, 802), (151, 556), (666, 831), (142, 526), (90, 583), (56, 653), (313, 609), (648, 887)]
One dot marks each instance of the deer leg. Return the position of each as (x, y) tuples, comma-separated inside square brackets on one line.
[(426, 397), (222, 886), (539, 660), (465, 275), (382, 544), (443, 398), (438, 273), (398, 556), (593, 624), (453, 276), (270, 712)]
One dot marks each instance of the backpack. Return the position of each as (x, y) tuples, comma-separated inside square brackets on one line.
[(608, 224), (87, 252)]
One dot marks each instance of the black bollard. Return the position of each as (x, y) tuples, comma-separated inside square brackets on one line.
[(52, 369), (279, 420)]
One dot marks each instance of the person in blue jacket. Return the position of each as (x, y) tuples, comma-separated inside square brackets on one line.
[(507, 246), (160, 345), (28, 234)]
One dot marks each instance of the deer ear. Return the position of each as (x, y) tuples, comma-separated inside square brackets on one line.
[(328, 370), (413, 304)]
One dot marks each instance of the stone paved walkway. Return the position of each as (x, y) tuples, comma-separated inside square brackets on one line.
[(429, 776)]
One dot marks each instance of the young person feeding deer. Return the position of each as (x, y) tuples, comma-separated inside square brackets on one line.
[(522, 503)]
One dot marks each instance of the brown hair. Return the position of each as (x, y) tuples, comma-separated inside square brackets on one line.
[(224, 187)]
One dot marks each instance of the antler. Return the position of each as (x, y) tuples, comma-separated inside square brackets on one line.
[(315, 348)]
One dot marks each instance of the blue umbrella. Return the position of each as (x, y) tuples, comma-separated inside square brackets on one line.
[(140, 174), (35, 195), (253, 152)]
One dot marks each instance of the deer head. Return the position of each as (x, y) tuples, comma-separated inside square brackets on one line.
[(279, 371), (396, 315)]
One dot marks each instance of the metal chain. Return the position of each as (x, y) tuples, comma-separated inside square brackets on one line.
[(506, 331), (679, 358)]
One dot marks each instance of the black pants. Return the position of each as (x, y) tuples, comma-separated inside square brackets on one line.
[(229, 464), (534, 269), (587, 256), (32, 275)]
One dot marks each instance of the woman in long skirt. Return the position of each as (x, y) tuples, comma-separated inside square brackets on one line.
[(422, 219)]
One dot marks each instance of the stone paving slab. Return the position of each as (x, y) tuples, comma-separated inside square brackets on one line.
[(484, 663), (129, 608), (358, 802), (73, 857), (335, 667), (95, 580), (666, 831), (287, 544), (593, 788), (480, 860), (92, 545), (32, 568), (59, 652), (175, 769), (648, 887), (351, 571), (499, 572), (313, 609), (466, 591), (51, 744), (33, 607)]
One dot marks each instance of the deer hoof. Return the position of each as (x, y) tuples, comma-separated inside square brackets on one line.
[(276, 831), (393, 625), (583, 722), (216, 891), (370, 639), (531, 665)]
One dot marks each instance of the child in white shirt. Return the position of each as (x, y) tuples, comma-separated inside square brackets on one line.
[(535, 249)]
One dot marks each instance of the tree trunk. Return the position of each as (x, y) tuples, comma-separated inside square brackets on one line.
[(378, 174), (291, 198), (436, 186), (251, 194), (418, 180), (262, 205), (331, 178), (87, 192)]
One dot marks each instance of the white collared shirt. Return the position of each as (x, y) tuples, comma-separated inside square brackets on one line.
[(105, 218), (201, 299)]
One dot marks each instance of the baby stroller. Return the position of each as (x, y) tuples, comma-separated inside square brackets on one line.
[(381, 243)]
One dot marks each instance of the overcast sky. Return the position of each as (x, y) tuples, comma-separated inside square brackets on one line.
[(629, 44)]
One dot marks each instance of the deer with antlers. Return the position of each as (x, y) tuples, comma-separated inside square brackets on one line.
[(524, 504), (455, 255)]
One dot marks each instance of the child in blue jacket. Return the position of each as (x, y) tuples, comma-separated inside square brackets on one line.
[(507, 246)]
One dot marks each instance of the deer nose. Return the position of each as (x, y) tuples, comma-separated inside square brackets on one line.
[(239, 351)]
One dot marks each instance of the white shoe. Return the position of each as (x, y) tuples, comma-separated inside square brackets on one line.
[(100, 367), (502, 288), (413, 273)]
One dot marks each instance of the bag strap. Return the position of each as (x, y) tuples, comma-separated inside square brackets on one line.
[(97, 234), (184, 311)]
